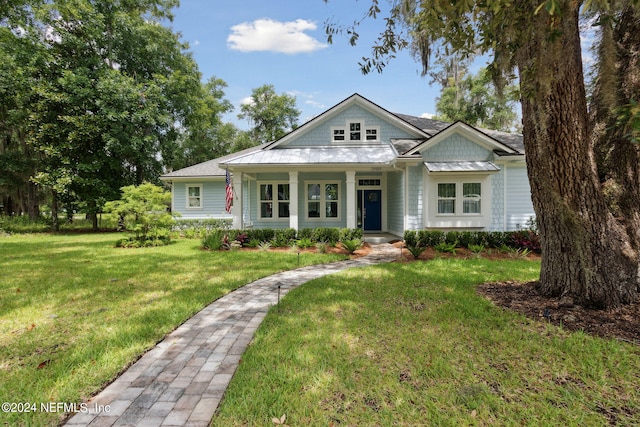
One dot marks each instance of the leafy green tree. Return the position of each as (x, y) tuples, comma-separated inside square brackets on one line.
[(270, 115), (112, 93), (474, 100), (144, 211), (205, 135), (588, 255)]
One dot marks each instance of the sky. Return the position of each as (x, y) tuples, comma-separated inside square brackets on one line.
[(251, 43)]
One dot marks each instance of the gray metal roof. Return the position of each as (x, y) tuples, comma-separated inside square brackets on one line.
[(379, 154), (432, 127), (461, 167), (210, 168)]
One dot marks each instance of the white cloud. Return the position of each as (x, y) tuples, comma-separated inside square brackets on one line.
[(274, 36), (427, 115)]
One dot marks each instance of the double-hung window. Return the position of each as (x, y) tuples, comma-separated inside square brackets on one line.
[(459, 198), (323, 200), (194, 196), (274, 200)]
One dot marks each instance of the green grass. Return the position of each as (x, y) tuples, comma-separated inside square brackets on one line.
[(413, 344), (75, 311)]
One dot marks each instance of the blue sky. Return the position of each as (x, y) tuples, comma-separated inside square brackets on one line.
[(282, 42)]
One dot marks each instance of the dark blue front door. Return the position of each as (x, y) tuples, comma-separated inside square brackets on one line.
[(372, 209)]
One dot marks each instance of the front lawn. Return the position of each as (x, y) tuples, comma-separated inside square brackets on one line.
[(414, 344), (75, 311)]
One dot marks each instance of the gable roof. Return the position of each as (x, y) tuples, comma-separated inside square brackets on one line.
[(513, 141), (475, 135), (427, 132), (354, 99)]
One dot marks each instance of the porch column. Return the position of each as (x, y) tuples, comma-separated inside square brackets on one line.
[(293, 200), (238, 199), (351, 199)]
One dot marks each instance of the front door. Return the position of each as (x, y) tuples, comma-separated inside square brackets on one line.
[(371, 203)]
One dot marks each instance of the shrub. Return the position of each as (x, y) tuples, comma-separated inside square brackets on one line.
[(430, 237), (283, 237), (322, 247), (351, 245), (328, 235), (446, 247), (214, 240), (351, 233), (416, 250), (526, 239), (264, 246), (144, 212), (305, 233), (410, 238), (304, 243)]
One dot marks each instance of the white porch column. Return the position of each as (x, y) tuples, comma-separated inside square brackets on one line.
[(238, 201), (351, 199), (293, 200)]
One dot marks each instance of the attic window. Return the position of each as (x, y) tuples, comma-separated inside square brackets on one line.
[(355, 131)]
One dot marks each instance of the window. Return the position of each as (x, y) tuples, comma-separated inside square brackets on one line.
[(274, 205), (354, 131), (323, 200), (447, 198), (194, 196), (452, 203), (471, 196), (369, 182)]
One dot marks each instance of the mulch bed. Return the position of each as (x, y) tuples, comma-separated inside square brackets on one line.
[(524, 298)]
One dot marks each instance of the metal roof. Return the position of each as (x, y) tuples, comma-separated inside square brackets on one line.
[(379, 154), (461, 167)]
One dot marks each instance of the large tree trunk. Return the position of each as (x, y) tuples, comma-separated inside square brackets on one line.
[(586, 255), (617, 85)]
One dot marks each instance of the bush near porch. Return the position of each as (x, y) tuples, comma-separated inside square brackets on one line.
[(527, 239)]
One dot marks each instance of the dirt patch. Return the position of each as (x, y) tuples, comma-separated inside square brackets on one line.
[(524, 298)]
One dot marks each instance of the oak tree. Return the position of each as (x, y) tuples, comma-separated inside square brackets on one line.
[(589, 255)]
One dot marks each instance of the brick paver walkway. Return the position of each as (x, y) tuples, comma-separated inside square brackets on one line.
[(181, 381)]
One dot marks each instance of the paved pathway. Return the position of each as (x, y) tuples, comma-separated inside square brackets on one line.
[(181, 381)]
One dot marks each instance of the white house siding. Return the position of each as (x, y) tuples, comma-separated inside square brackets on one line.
[(519, 207), (321, 135), (395, 205), (415, 196), (213, 200)]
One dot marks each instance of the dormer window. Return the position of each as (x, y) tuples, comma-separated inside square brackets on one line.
[(355, 131)]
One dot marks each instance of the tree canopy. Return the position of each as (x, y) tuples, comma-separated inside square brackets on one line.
[(270, 115)]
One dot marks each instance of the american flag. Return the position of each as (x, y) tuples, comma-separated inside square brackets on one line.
[(229, 193)]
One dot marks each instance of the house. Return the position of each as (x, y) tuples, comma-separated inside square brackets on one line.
[(359, 165)]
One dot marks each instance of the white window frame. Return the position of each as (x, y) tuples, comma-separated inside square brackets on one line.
[(459, 199), (372, 128), (188, 197), (432, 219), (344, 132), (275, 202), (322, 201)]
